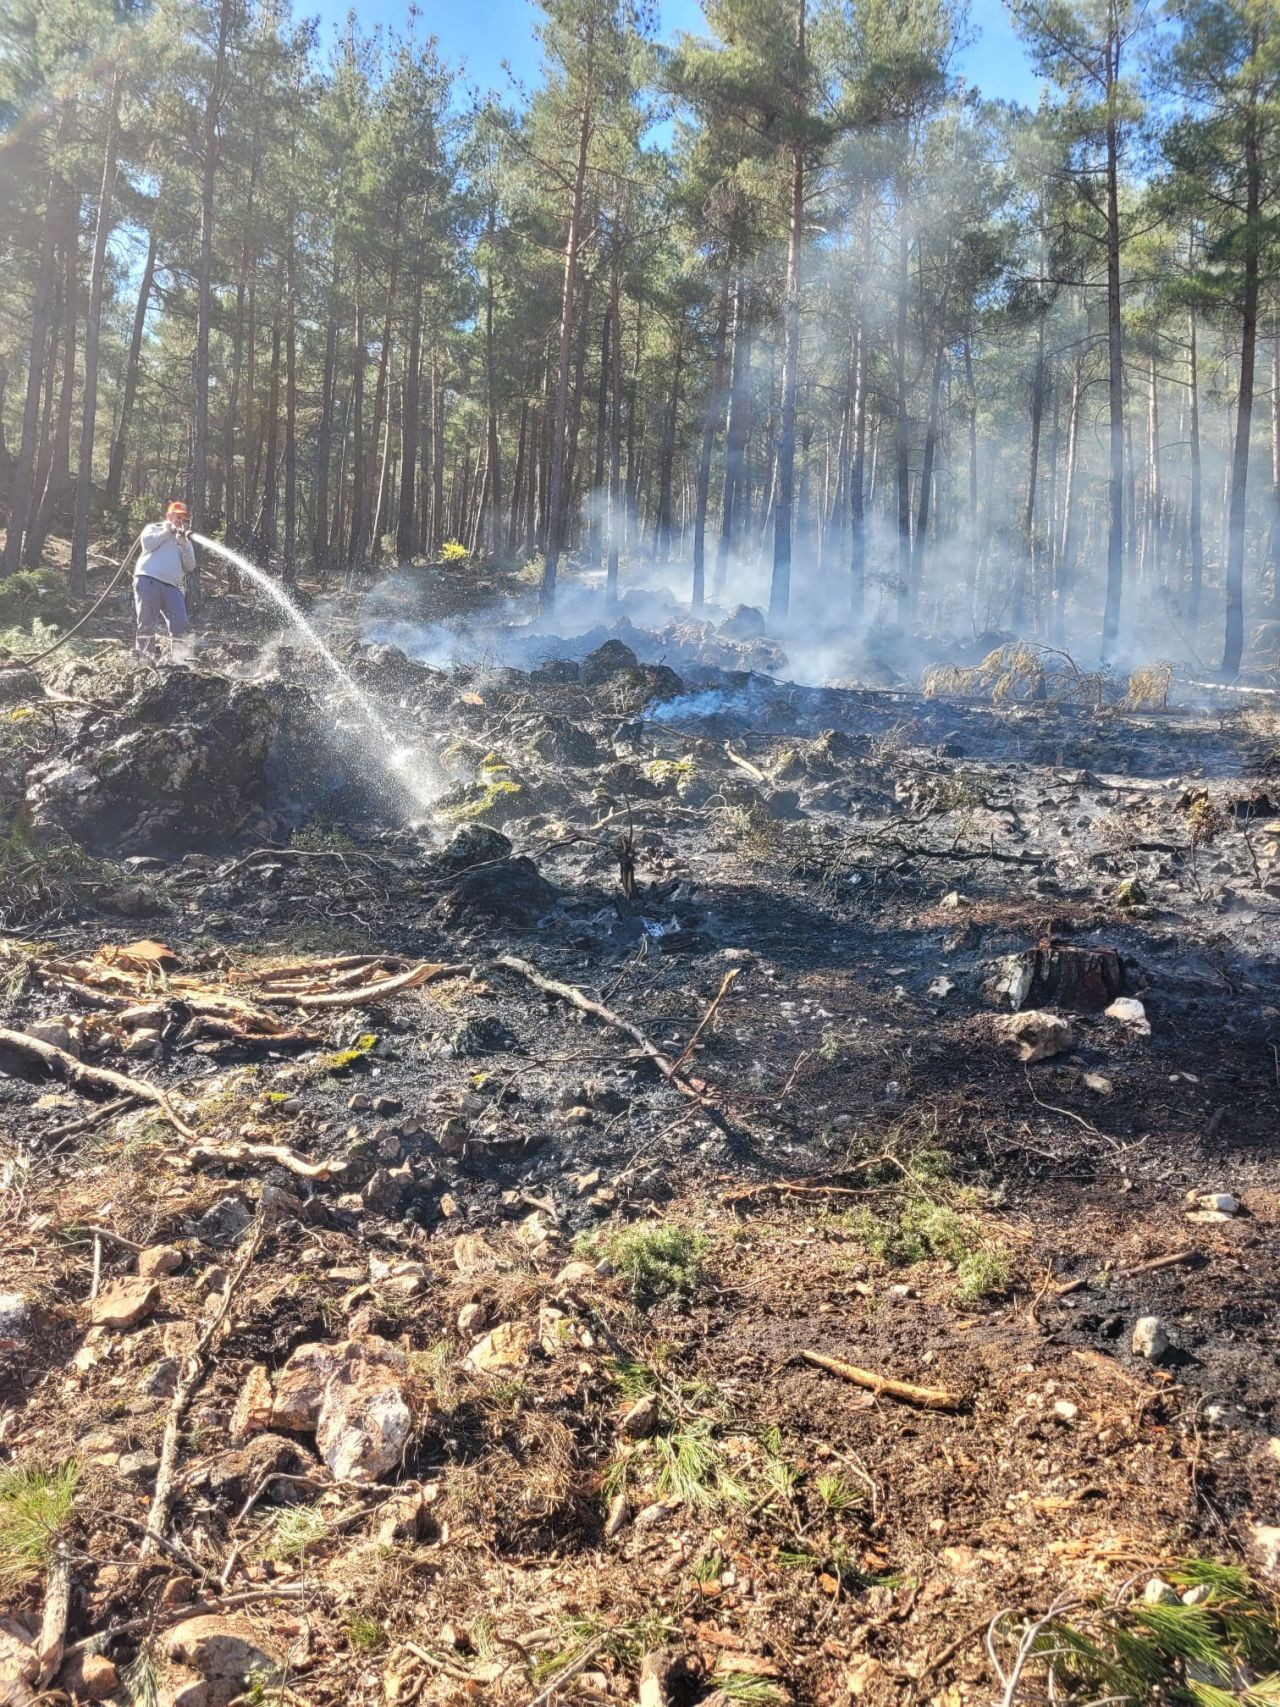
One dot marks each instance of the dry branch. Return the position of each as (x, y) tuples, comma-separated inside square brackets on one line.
[(80, 1077), (281, 1154), (928, 1398), (53, 1624), (726, 984), (192, 1376), (585, 1004), (424, 973)]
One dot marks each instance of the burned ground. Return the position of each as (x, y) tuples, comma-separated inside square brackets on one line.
[(596, 1259)]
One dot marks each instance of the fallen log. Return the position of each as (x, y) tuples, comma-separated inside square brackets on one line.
[(80, 1077), (927, 1398)]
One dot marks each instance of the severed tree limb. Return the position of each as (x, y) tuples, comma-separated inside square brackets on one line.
[(281, 1154), (192, 1376), (726, 984), (163, 1616), (584, 1003), (928, 1398), (101, 1113), (80, 1077), (53, 1625), (423, 973)]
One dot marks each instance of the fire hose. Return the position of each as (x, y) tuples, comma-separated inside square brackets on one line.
[(28, 663)]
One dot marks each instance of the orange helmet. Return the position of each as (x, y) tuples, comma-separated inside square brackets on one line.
[(178, 512)]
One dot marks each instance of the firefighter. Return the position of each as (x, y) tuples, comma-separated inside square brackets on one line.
[(166, 559)]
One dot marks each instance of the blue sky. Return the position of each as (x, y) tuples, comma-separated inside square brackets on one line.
[(481, 34)]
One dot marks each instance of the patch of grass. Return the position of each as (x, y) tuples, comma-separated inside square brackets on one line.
[(353, 1059), (741, 1686), (661, 1259), (286, 1534), (920, 1230), (626, 1643), (984, 1273), (692, 1468), (365, 1635), (838, 1495), (141, 1679), (35, 1508)]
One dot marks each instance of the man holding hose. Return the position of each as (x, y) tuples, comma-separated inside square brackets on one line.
[(166, 559)]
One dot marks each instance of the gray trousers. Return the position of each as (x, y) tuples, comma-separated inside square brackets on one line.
[(153, 600)]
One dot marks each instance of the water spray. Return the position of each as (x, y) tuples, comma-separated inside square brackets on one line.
[(395, 757)]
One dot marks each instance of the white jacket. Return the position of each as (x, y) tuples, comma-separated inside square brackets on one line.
[(164, 556)]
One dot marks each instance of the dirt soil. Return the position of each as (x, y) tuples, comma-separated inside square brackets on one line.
[(800, 1128)]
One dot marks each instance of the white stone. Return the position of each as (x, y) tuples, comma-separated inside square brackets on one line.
[(1149, 1338), (1128, 1010)]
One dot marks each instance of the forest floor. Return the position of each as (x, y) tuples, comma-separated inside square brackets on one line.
[(561, 1439)]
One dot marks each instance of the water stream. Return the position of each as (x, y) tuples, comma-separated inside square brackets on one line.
[(389, 753)]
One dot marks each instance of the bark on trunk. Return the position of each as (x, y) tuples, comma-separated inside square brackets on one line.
[(93, 324)]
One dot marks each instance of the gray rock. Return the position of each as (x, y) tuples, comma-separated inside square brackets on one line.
[(473, 844), (15, 1318), (225, 1222), (55, 1032), (1150, 1339), (138, 1466)]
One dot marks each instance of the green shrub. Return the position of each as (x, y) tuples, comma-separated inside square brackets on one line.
[(35, 595), (660, 1259), (35, 1507)]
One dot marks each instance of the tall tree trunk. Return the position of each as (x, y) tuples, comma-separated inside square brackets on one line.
[(902, 440), (356, 523), (410, 405), (615, 420), (556, 491), (290, 409), (735, 438), (708, 447), (926, 472), (517, 480), (1233, 644), (599, 501), (1115, 362), (133, 364), (53, 471), (93, 325), (24, 466), (780, 586), (266, 530), (320, 518), (1067, 550), (204, 265), (666, 462), (1027, 555), (494, 528), (1195, 521)]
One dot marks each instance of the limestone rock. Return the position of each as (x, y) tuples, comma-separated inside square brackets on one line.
[(159, 1260), (503, 1349), (225, 1652), (88, 1677), (1149, 1339), (353, 1395), (115, 786), (15, 1318), (1035, 1034), (125, 1303), (253, 1407)]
